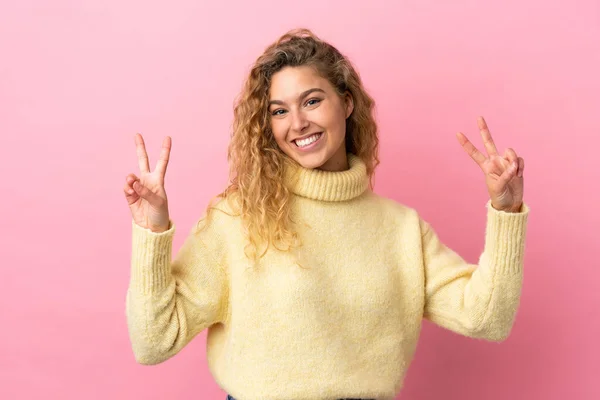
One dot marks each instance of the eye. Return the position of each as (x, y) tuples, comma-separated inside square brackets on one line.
[(312, 102), (279, 111)]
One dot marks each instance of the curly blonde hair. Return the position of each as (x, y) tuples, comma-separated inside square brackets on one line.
[(256, 162)]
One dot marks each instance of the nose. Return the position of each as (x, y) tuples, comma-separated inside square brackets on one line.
[(299, 121)]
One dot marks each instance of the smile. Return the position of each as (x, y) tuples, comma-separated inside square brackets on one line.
[(309, 141)]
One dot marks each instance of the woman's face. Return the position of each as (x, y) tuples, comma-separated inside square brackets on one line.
[(304, 105)]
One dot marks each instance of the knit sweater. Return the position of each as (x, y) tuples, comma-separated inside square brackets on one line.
[(346, 323)]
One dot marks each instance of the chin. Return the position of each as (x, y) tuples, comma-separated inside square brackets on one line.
[(312, 160)]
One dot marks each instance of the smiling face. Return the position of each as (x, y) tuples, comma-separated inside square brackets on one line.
[(308, 118)]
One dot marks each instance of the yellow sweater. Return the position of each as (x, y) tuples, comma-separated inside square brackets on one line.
[(345, 326)]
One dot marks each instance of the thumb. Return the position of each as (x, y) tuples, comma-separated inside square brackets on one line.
[(145, 193)]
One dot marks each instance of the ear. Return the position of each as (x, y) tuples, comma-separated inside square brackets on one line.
[(349, 102)]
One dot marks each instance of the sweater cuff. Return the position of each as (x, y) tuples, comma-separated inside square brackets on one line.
[(151, 258), (505, 238)]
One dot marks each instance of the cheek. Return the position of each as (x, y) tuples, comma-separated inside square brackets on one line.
[(279, 130), (333, 118)]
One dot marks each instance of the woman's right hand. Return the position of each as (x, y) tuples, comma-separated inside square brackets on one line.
[(146, 195)]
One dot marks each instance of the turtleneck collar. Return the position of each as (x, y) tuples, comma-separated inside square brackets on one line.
[(327, 185)]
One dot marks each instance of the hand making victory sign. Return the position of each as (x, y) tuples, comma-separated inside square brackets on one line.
[(146, 194), (503, 174)]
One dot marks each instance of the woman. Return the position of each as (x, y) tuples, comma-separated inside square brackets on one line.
[(311, 285)]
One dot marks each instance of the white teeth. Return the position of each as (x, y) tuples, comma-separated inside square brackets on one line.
[(308, 140)]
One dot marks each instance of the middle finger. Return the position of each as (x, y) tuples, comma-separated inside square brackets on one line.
[(490, 146), (141, 153)]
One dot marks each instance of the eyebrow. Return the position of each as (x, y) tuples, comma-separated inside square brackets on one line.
[(302, 95)]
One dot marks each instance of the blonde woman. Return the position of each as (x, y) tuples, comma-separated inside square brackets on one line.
[(311, 286)]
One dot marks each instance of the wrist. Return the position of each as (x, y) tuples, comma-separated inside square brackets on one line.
[(161, 229), (514, 209)]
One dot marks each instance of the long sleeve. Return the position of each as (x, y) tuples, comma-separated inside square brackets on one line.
[(169, 302), (481, 300)]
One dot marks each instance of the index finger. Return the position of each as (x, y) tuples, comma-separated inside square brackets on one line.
[(470, 149), (141, 153)]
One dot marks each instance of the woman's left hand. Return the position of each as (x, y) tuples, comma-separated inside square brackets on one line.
[(503, 174)]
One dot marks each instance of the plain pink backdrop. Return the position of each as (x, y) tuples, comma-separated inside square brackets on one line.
[(79, 78)]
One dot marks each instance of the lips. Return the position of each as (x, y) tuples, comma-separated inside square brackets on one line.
[(307, 137)]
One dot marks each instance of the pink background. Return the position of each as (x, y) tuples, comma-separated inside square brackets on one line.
[(79, 78)]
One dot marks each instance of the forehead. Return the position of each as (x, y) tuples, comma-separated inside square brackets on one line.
[(289, 82)]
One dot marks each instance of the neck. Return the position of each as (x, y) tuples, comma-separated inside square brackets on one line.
[(326, 185), (338, 162)]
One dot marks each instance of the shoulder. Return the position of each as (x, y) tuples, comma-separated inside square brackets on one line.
[(391, 206), (215, 229), (398, 222), (393, 214), (220, 214)]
